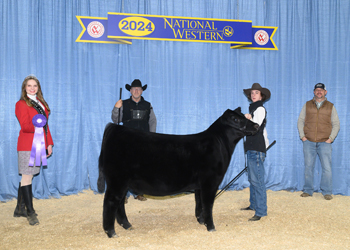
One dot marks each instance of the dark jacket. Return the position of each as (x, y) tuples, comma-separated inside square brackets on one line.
[(136, 115), (256, 142)]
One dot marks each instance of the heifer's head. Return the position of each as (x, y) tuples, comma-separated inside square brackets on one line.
[(237, 120)]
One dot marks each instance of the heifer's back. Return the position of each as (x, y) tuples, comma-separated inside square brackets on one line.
[(156, 164)]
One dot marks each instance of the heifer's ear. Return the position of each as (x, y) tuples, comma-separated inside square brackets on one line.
[(238, 110)]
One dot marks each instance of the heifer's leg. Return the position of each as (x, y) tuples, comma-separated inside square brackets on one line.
[(109, 209), (120, 214), (208, 197), (199, 208)]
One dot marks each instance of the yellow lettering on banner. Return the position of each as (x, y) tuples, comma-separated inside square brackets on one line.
[(200, 35), (177, 32), (207, 25), (193, 25), (200, 25), (193, 29), (218, 34), (193, 34), (176, 24), (166, 22)]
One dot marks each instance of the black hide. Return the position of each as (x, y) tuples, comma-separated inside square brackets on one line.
[(162, 164)]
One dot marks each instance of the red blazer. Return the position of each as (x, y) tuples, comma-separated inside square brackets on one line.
[(25, 115)]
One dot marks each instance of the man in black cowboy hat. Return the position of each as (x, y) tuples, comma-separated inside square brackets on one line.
[(135, 112)]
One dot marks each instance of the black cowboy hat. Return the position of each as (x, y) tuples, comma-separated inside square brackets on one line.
[(135, 83), (256, 86)]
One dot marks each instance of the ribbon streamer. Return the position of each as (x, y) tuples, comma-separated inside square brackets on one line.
[(38, 147)]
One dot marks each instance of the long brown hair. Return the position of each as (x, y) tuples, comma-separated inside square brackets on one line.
[(39, 94)]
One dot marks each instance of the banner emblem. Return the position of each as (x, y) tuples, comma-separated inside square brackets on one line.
[(96, 29), (261, 37), (228, 31)]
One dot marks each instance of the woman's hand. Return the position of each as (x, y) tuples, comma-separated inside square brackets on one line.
[(248, 116), (49, 150)]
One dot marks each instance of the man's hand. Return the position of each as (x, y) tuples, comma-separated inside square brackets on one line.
[(118, 104)]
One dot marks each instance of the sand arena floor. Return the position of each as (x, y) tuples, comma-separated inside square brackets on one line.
[(75, 222)]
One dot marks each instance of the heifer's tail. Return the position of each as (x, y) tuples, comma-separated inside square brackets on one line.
[(101, 176)]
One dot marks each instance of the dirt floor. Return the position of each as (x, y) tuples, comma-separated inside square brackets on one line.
[(75, 222)]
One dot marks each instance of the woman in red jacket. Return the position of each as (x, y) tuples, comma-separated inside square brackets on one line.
[(30, 104)]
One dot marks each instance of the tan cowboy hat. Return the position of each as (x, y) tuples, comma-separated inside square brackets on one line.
[(135, 83), (256, 86)]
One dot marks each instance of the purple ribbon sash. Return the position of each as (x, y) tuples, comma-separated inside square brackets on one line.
[(38, 147)]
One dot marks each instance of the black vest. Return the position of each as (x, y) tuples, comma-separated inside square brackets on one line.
[(136, 115), (256, 142)]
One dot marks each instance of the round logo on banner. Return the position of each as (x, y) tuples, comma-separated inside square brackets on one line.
[(228, 31), (261, 37), (95, 29)]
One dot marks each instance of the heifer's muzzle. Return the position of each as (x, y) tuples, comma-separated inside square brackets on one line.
[(256, 126)]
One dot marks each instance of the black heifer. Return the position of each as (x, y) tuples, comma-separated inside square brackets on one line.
[(161, 164)]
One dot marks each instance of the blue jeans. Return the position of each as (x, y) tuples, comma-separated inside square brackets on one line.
[(256, 178), (324, 152)]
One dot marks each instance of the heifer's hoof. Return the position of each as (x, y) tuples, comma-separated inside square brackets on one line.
[(211, 228), (111, 234), (126, 226), (200, 220)]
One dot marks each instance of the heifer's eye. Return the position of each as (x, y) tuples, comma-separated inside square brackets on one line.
[(236, 120)]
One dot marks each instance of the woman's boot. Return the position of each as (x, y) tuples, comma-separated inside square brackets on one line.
[(28, 200), (21, 206)]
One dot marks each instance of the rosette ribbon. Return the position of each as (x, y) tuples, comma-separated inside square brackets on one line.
[(38, 147)]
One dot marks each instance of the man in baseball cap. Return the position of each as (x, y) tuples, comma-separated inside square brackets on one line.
[(318, 125), (320, 86)]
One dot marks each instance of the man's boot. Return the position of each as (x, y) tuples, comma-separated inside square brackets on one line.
[(21, 206), (28, 200)]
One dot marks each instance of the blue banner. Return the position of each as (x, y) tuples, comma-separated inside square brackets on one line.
[(170, 28), (122, 28)]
